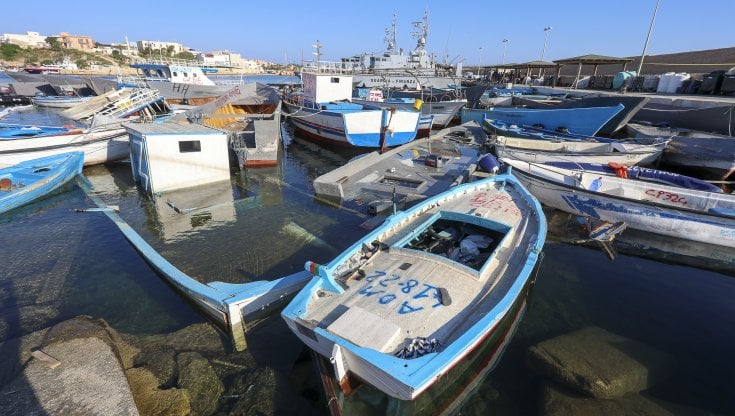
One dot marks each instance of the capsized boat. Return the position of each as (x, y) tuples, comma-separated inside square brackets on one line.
[(58, 101), (27, 181), (406, 304), (644, 199)]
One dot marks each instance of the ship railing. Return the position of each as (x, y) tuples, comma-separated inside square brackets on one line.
[(173, 61), (326, 67)]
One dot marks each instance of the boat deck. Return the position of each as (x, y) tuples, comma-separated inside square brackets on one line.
[(404, 292), (404, 168)]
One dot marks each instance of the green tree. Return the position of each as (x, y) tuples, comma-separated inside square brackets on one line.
[(53, 43), (81, 63), (9, 51), (169, 50), (185, 55)]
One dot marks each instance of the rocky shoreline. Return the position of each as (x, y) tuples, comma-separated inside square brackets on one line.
[(92, 369)]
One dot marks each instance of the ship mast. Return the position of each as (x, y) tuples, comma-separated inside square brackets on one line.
[(421, 31), (390, 35)]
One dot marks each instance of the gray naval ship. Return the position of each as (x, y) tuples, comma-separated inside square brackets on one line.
[(395, 69)]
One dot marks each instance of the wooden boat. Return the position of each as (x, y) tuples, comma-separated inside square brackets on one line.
[(632, 105), (32, 179), (587, 120), (99, 145), (230, 305), (712, 155), (696, 212), (250, 115), (442, 111), (58, 101), (717, 119), (319, 115), (542, 151), (27, 130), (407, 304)]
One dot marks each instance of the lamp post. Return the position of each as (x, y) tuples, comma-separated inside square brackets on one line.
[(645, 45), (502, 62), (547, 29), (479, 64)]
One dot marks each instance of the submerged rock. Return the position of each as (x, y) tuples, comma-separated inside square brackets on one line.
[(161, 363), (197, 337), (556, 400), (152, 401), (259, 397), (598, 363), (198, 377)]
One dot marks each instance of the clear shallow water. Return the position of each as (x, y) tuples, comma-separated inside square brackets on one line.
[(58, 263)]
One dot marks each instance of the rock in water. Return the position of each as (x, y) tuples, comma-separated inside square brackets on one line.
[(598, 363), (198, 377)]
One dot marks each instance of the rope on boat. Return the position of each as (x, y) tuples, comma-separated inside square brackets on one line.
[(418, 347)]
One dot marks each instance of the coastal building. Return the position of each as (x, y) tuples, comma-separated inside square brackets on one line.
[(152, 45), (79, 42), (26, 40)]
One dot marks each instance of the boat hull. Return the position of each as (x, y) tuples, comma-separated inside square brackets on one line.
[(58, 102), (98, 146), (354, 129), (408, 378), (39, 176), (588, 120), (637, 214)]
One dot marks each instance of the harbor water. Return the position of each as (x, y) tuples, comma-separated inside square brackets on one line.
[(58, 263)]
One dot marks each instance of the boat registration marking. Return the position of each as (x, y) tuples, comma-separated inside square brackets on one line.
[(415, 296), (666, 196), (497, 202)]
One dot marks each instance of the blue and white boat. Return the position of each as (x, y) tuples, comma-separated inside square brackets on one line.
[(27, 181), (9, 131), (410, 302), (585, 120), (663, 204), (504, 128), (323, 113), (58, 101)]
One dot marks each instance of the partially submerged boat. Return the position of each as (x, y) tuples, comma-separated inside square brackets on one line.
[(409, 302), (644, 199), (27, 181), (58, 101)]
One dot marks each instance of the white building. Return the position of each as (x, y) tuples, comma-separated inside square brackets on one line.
[(163, 46), (27, 40)]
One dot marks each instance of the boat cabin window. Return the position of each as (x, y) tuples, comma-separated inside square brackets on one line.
[(175, 74), (334, 80), (466, 243), (190, 146)]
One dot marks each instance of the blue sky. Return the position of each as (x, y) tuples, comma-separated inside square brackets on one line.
[(471, 31)]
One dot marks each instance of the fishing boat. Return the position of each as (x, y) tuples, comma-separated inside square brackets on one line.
[(586, 121), (443, 112), (542, 151), (27, 181), (250, 115), (711, 155), (233, 306), (408, 303), (100, 145), (58, 101), (644, 199), (323, 113)]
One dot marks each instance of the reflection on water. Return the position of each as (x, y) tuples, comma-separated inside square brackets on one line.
[(58, 263)]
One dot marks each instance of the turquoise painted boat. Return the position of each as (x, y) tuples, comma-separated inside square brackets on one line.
[(585, 120), (414, 300), (27, 181)]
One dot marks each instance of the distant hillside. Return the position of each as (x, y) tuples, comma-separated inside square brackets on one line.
[(695, 62)]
